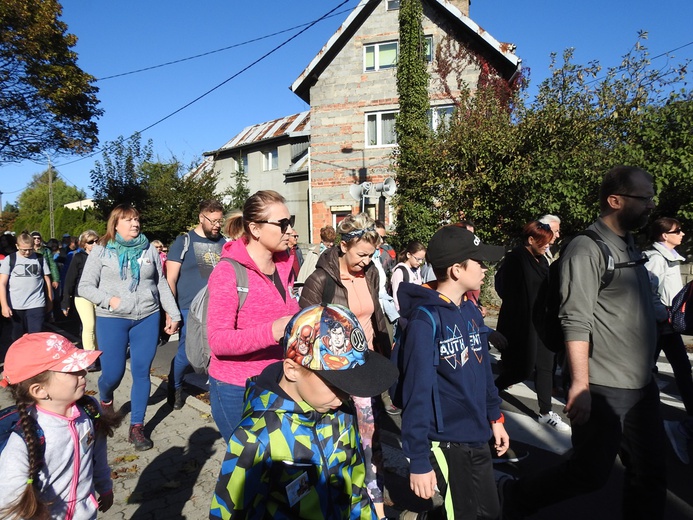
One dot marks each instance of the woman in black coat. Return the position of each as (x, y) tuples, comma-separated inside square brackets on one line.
[(522, 283)]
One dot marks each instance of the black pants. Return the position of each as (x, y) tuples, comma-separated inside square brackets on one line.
[(675, 351), (464, 473), (520, 361), (622, 422)]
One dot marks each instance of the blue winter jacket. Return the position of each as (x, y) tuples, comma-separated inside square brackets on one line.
[(468, 399)]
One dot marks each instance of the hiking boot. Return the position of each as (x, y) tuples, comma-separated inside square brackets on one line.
[(511, 456), (139, 439), (679, 439), (554, 420)]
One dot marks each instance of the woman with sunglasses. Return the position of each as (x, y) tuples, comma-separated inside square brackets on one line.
[(345, 275), (124, 279), (409, 267), (243, 342), (522, 283), (663, 263), (85, 308)]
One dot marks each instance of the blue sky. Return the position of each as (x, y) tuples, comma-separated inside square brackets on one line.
[(119, 37)]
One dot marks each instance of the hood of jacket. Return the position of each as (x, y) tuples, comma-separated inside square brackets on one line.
[(412, 296)]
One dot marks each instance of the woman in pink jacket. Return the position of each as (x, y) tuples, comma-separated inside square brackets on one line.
[(244, 342)]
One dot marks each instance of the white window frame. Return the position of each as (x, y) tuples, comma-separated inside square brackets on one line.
[(429, 55), (434, 114), (245, 163), (392, 5), (270, 160), (376, 56), (379, 129)]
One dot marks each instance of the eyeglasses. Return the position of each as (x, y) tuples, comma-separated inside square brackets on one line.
[(283, 223), (419, 259), (544, 226), (22, 250), (676, 231), (219, 222), (37, 238), (641, 198), (92, 241), (295, 236)]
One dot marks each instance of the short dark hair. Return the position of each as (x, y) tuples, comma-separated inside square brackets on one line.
[(661, 226), (620, 179), (211, 206)]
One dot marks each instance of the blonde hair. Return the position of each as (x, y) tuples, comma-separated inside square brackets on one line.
[(86, 235), (256, 208), (358, 227)]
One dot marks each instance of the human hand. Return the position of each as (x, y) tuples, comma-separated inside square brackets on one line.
[(172, 327), (579, 404), (105, 501), (66, 311), (114, 302), (423, 484), (7, 312), (278, 327), (501, 439), (55, 284)]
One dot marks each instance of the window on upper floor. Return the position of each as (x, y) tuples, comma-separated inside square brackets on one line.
[(380, 129), (392, 5), (270, 160), (379, 56), (439, 115), (245, 164), (429, 49)]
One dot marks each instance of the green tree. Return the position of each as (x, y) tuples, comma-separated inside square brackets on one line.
[(119, 178), (240, 191), (413, 201), (34, 204), (47, 103)]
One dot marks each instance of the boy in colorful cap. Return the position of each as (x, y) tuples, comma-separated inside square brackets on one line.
[(450, 405), (296, 452), (55, 461)]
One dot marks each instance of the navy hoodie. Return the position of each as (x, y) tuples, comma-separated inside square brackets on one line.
[(468, 398)]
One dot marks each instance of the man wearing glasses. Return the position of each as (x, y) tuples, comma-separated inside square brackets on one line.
[(610, 338), (298, 254), (190, 261), (26, 294)]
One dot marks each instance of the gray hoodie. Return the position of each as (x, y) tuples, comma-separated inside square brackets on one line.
[(101, 281)]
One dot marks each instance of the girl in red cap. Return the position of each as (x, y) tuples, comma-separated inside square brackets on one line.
[(55, 462)]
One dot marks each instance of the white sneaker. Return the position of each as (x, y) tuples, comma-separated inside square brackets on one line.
[(554, 420)]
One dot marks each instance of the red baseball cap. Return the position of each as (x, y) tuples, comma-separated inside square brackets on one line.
[(35, 353)]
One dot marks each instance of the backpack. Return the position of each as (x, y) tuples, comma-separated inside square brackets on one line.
[(39, 257), (196, 340), (395, 390), (9, 423), (680, 321), (405, 278), (550, 330)]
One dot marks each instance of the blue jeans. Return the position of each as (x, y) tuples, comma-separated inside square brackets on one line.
[(226, 401), (180, 361), (27, 321), (113, 336)]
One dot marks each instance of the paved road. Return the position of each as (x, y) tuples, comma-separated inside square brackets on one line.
[(175, 480)]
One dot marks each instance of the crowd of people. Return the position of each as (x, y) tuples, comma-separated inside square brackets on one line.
[(299, 374)]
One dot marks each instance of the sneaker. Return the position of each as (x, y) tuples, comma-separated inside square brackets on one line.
[(138, 438), (554, 420), (511, 456), (679, 439)]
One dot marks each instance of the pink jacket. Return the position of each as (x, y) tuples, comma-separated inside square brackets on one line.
[(242, 346)]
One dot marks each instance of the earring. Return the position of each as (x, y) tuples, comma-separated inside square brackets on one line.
[(47, 398)]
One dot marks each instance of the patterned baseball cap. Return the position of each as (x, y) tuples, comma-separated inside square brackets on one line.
[(329, 340), (35, 353)]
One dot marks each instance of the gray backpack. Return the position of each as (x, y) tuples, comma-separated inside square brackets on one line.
[(196, 341)]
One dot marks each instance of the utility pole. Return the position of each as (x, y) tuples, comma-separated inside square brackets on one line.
[(50, 195)]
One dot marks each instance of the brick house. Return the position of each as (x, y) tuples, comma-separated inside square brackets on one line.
[(350, 86)]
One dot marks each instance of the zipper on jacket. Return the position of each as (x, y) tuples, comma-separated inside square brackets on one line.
[(72, 497)]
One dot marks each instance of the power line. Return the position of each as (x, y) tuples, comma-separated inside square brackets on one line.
[(247, 42), (201, 96)]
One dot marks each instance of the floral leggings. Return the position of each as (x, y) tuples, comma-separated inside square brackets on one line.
[(368, 411)]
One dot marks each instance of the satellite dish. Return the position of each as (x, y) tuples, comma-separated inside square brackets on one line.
[(389, 187), (356, 191)]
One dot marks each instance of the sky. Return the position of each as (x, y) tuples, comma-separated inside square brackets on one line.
[(224, 90)]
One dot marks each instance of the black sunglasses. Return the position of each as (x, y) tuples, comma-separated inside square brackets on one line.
[(283, 223), (676, 231), (93, 241)]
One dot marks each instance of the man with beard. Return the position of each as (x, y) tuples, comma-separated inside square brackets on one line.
[(190, 261), (610, 335)]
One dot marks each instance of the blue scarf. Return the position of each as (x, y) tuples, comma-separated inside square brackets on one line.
[(129, 252)]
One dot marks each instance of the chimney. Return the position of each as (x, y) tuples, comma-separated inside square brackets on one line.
[(462, 5)]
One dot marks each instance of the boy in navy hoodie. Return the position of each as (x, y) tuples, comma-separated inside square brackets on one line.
[(450, 404)]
